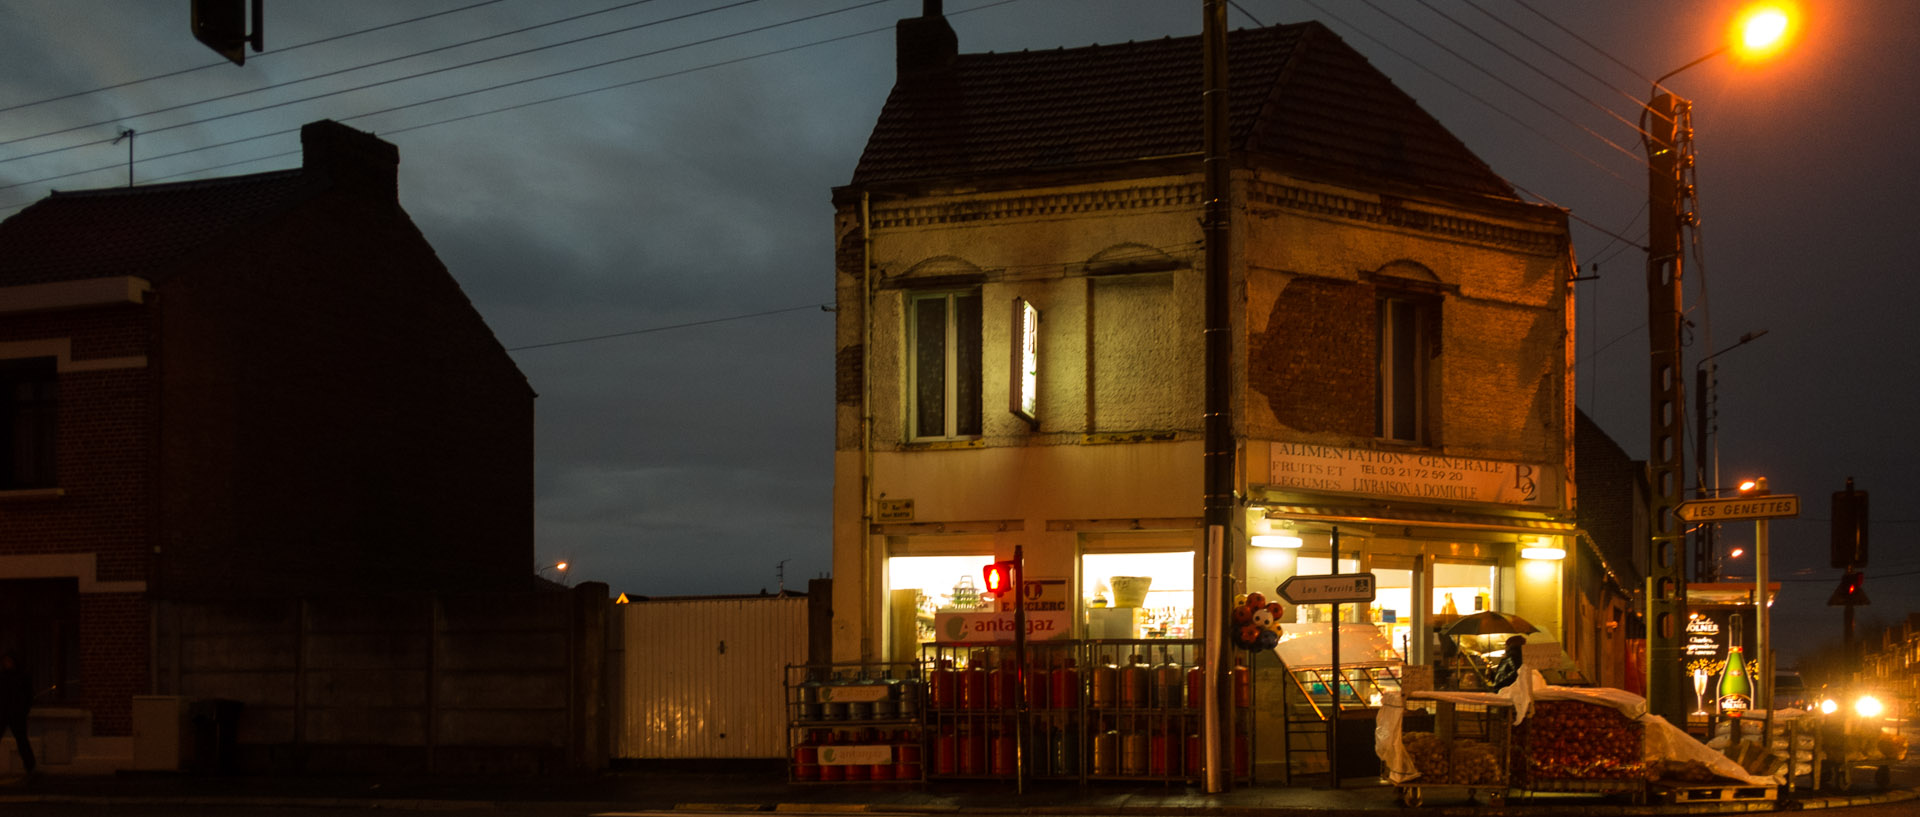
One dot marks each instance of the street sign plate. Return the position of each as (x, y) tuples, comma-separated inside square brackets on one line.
[(1772, 506), (1335, 588)]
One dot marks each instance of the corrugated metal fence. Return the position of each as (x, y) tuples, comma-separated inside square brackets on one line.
[(704, 678)]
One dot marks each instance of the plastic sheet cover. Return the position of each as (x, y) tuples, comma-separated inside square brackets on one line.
[(1663, 742), (1311, 645)]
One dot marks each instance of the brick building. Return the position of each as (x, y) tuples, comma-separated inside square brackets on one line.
[(1020, 350), (249, 387)]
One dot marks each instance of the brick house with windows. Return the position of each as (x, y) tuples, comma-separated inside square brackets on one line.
[(250, 387), (1020, 348)]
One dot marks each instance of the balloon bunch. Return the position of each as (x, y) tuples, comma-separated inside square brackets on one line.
[(1256, 622)]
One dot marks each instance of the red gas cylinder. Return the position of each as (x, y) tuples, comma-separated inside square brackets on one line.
[(859, 771), (1002, 752), (1196, 687), (1242, 687), (880, 771), (945, 753), (972, 749), (1065, 687), (1242, 755), (940, 685), (1002, 684), (806, 761), (1038, 683), (1194, 756), (906, 756), (1161, 755), (972, 684)]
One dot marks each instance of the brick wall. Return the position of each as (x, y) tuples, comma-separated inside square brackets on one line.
[(104, 469), (1314, 365), (338, 418)]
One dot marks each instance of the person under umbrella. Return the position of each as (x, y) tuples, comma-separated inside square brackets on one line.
[(1508, 670)]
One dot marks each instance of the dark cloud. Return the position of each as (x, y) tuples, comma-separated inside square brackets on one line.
[(692, 460)]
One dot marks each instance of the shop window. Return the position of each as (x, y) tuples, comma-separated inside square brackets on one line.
[(944, 345), (29, 408), (919, 587), (1462, 589), (1401, 381), (1119, 604)]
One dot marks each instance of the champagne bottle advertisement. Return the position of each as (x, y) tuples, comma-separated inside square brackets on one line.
[(1719, 658)]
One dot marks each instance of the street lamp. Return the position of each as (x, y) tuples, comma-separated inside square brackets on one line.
[(1670, 200), (559, 571)]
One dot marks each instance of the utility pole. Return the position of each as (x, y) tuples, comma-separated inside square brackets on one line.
[(1669, 160), (1217, 461)]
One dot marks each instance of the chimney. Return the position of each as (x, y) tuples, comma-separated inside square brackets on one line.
[(351, 157), (926, 45)]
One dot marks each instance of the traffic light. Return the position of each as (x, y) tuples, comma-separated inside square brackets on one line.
[(222, 26), (1849, 528), (998, 578), (1852, 591)]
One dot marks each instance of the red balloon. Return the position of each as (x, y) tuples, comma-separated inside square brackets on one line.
[(1256, 600), (1275, 608), (1249, 634), (1242, 614)]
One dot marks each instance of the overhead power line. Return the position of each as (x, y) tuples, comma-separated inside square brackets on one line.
[(379, 83), (825, 306)]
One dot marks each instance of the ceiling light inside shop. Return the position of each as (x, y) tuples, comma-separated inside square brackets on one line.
[(1275, 540)]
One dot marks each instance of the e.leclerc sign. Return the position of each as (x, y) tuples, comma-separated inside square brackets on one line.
[(1772, 506)]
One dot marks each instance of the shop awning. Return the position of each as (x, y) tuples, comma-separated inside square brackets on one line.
[(1373, 514)]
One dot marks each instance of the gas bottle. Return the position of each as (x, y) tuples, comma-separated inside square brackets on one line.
[(1133, 684), (861, 707), (972, 749), (1193, 753), (1039, 681), (1242, 687), (972, 682), (906, 756), (1002, 750), (1133, 753), (1162, 755), (806, 760), (940, 685), (1242, 754), (1106, 744), (946, 750), (831, 772), (1106, 680), (810, 709), (1196, 687), (1002, 686), (1066, 687), (1168, 682), (887, 706), (1064, 751)]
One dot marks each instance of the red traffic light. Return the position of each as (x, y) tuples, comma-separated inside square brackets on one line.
[(998, 578)]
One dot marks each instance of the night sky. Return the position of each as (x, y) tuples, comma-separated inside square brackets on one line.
[(679, 200)]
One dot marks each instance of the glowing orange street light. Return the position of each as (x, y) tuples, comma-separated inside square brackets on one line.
[(1763, 29)]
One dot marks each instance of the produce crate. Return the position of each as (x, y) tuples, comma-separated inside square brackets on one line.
[(1575, 746), (1465, 753)]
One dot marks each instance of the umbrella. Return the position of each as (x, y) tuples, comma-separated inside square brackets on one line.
[(1490, 622)]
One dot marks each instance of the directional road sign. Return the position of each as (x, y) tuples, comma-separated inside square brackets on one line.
[(1334, 588), (1771, 506)]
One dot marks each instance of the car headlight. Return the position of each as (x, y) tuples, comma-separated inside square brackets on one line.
[(1829, 706), (1868, 707)]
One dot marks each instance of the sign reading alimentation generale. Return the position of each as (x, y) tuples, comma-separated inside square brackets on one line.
[(1425, 477)]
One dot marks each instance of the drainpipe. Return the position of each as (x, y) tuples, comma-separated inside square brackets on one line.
[(867, 600)]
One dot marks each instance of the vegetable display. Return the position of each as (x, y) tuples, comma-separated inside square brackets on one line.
[(1574, 740)]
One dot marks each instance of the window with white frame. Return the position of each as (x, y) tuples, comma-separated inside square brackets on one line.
[(29, 407), (1403, 353), (944, 347)]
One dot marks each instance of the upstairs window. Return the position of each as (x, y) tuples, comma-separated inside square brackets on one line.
[(1401, 381), (29, 403), (943, 343)]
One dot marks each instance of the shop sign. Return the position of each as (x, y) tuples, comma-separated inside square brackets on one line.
[(1043, 596), (1703, 640), (893, 510), (995, 627), (856, 755), (1025, 368), (1425, 477)]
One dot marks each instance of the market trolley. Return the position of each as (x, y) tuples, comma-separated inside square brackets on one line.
[(1579, 746), (1457, 742)]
